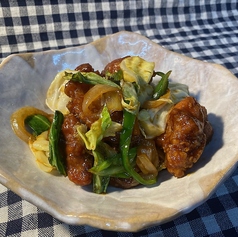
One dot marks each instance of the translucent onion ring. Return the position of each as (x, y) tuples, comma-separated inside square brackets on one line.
[(113, 101), (18, 121), (157, 103), (93, 94), (145, 164)]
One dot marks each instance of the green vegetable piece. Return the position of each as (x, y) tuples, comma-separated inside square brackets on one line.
[(125, 140), (100, 183), (162, 86), (89, 78), (112, 166), (130, 100), (115, 77), (38, 123), (56, 158), (108, 163), (102, 127), (114, 171)]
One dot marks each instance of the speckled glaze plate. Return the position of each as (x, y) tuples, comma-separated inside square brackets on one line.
[(24, 80)]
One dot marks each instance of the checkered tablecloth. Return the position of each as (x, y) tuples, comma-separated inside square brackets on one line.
[(206, 30)]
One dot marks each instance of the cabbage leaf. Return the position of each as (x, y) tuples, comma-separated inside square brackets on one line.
[(153, 121), (138, 72), (103, 127)]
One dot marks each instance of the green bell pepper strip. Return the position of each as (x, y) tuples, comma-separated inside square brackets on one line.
[(89, 78), (125, 140), (38, 123), (104, 168), (161, 88), (112, 166), (100, 183), (56, 158)]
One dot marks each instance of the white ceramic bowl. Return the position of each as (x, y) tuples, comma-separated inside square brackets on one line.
[(24, 79)]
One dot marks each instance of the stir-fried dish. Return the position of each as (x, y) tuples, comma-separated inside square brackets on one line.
[(120, 127)]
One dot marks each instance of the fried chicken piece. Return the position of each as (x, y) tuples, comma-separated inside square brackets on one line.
[(187, 133), (113, 66), (78, 161)]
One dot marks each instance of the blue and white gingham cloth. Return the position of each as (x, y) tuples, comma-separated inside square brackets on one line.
[(206, 30)]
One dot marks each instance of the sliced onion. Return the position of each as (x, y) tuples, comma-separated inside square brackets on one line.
[(113, 101), (44, 167), (145, 165), (42, 161), (42, 142), (147, 157), (41, 156), (18, 121), (94, 94), (157, 103)]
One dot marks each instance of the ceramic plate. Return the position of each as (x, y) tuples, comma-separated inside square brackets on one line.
[(24, 79)]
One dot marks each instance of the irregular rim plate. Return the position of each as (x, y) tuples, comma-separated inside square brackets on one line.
[(24, 79)]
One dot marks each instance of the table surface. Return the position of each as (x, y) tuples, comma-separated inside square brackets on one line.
[(205, 30)]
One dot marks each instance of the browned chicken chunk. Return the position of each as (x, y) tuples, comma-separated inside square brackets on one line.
[(78, 161), (187, 133)]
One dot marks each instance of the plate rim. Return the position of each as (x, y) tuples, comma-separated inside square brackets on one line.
[(77, 220)]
